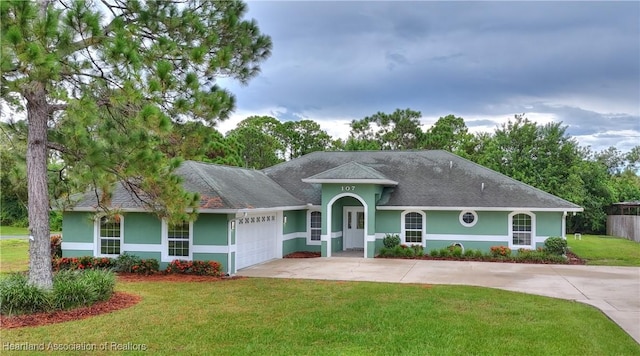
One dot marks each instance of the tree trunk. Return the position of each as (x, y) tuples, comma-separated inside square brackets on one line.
[(40, 273)]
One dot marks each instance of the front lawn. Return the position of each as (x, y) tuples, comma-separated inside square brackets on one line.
[(303, 317), (13, 231), (606, 250), (14, 255)]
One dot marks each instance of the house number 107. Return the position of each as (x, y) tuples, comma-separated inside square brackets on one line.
[(348, 188)]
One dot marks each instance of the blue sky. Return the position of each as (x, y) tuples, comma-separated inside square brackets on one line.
[(332, 62)]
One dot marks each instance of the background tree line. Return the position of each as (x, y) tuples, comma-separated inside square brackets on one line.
[(544, 156)]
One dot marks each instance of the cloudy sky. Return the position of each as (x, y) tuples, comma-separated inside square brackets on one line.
[(332, 62)]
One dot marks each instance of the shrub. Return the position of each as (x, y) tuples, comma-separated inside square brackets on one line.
[(469, 253), (556, 245), (56, 246), (146, 266), (125, 262), (418, 250), (80, 263), (500, 251), (478, 254), (433, 253), (391, 240), (455, 251), (386, 252), (71, 288), (17, 296), (443, 252), (81, 288), (202, 268)]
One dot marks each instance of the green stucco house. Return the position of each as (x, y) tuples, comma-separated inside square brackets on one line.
[(328, 202)]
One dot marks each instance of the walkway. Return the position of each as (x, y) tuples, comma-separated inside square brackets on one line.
[(614, 290)]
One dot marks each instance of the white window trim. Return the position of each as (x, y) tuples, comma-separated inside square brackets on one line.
[(309, 241), (475, 218), (532, 246), (97, 237), (165, 244), (403, 228)]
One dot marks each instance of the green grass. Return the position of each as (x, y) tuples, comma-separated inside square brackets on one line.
[(302, 317), (606, 250), (13, 231), (14, 255)]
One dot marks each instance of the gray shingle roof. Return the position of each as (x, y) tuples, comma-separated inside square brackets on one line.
[(351, 171), (425, 179), (220, 187)]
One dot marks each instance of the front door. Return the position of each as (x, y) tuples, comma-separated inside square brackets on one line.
[(353, 227)]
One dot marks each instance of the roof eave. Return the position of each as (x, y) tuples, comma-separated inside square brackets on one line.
[(480, 208), (351, 181)]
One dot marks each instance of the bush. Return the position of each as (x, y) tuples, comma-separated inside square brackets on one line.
[(71, 288), (201, 268), (81, 288), (17, 296), (55, 220), (500, 251), (391, 240), (125, 262), (56, 246), (556, 245), (418, 250), (469, 253), (455, 251), (80, 263), (146, 266)]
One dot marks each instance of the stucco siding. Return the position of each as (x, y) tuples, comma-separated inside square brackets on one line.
[(475, 245), (388, 221), (76, 253), (296, 221), (77, 227), (448, 222), (548, 224), (210, 229), (142, 228)]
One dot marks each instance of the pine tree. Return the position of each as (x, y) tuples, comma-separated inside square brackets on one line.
[(102, 81)]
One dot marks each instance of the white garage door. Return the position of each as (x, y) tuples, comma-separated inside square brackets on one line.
[(256, 239)]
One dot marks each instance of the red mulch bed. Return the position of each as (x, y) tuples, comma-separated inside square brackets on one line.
[(119, 300), (303, 254), (573, 259)]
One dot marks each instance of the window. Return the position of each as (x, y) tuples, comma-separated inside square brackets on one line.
[(360, 216), (315, 225), (413, 228), (178, 239), (468, 218), (110, 235), (521, 229)]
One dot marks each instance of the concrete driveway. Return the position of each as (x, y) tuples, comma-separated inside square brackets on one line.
[(614, 290)]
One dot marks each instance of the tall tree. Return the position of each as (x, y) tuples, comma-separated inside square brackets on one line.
[(101, 82), (302, 137), (258, 138), (399, 130), (448, 133), (194, 140)]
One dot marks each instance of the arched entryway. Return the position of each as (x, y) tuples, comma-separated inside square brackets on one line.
[(352, 225)]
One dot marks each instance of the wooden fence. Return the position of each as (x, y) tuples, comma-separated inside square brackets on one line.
[(627, 226)]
